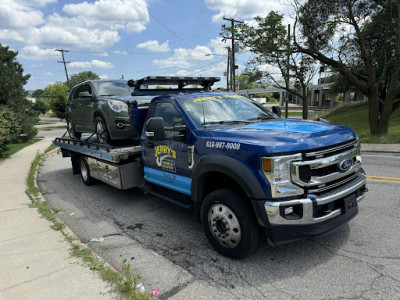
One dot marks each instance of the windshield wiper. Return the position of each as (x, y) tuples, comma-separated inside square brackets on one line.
[(226, 122), (107, 95), (260, 118)]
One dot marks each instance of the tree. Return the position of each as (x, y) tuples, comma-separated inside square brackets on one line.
[(361, 41), (12, 94), (268, 40), (57, 95), (80, 77), (246, 81)]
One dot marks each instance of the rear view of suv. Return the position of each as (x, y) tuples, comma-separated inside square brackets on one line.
[(100, 107)]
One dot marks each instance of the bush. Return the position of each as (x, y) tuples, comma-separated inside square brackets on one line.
[(10, 128)]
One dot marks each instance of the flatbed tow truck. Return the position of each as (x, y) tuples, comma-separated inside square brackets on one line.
[(245, 171)]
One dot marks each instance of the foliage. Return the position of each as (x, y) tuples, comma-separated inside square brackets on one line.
[(9, 128), (40, 106), (246, 81), (37, 94), (268, 40), (57, 95), (13, 96), (80, 77), (361, 41)]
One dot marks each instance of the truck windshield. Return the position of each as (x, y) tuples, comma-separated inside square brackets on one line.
[(224, 109), (113, 88)]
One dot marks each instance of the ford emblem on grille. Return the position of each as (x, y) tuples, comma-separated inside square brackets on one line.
[(345, 164)]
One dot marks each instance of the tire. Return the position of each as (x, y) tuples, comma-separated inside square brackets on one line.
[(101, 131), (72, 132), (229, 224), (85, 172)]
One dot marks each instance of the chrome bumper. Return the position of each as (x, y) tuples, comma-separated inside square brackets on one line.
[(273, 209)]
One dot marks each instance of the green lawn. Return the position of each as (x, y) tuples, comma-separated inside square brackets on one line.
[(14, 148), (356, 117)]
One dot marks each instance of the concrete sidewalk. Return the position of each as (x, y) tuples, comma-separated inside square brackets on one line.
[(383, 148), (34, 259)]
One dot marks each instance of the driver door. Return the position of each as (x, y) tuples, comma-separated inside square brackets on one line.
[(166, 161)]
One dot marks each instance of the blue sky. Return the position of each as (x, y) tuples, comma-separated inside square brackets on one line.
[(135, 38)]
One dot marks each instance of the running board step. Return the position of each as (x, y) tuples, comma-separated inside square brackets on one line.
[(171, 196)]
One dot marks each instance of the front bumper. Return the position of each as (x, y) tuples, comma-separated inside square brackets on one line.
[(292, 220), (305, 211)]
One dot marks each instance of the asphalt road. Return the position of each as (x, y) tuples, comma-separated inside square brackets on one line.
[(166, 245)]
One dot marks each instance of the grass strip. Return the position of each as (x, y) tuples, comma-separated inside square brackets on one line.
[(121, 283), (15, 147), (356, 117)]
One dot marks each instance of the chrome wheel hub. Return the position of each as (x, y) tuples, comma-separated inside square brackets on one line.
[(224, 225)]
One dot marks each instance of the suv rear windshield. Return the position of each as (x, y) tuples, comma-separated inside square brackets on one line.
[(221, 109), (113, 88)]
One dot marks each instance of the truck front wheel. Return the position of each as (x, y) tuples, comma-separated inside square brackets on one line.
[(229, 224)]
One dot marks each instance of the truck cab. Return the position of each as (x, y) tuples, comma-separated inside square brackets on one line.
[(248, 172)]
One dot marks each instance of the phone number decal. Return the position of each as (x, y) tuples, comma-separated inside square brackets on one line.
[(223, 145)]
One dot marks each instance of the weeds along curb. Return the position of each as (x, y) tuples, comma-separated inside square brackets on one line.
[(122, 283)]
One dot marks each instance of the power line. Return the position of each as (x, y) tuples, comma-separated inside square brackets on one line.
[(165, 26), (65, 63)]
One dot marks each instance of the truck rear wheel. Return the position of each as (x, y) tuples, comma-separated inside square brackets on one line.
[(229, 224), (85, 172)]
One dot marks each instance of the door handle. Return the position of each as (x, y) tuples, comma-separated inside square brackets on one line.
[(149, 144)]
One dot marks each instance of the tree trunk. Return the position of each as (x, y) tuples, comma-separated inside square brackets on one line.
[(378, 120), (305, 104)]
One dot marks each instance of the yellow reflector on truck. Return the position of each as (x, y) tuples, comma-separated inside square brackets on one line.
[(267, 165)]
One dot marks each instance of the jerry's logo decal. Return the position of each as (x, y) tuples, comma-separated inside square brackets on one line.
[(165, 157)]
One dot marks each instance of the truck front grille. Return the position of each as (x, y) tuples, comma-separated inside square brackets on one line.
[(321, 170)]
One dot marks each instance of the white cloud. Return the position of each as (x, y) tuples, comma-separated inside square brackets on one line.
[(36, 53), (103, 76), (154, 46), (242, 9), (184, 58), (131, 15), (87, 25), (219, 47), (15, 15), (49, 74), (91, 64)]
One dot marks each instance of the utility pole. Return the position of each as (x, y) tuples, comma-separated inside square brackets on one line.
[(233, 48), (65, 63), (228, 72), (288, 62)]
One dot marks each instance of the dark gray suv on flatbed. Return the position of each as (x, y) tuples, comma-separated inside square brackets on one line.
[(100, 106)]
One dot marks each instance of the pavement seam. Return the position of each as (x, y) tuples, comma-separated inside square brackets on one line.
[(36, 278), (24, 236)]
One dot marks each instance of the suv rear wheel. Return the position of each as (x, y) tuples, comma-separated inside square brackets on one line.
[(101, 131), (71, 131)]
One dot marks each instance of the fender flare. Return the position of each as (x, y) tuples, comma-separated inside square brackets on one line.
[(230, 167)]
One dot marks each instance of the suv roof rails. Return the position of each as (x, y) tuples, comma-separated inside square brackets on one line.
[(181, 82)]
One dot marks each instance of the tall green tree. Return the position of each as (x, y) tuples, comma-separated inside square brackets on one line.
[(57, 95), (12, 93), (282, 66), (82, 76), (361, 41)]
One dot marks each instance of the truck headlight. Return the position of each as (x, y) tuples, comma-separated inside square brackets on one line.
[(277, 170), (118, 106)]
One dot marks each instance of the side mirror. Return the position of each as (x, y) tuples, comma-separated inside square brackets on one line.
[(277, 110), (85, 95), (154, 129)]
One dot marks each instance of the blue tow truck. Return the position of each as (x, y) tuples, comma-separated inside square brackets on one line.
[(246, 172)]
